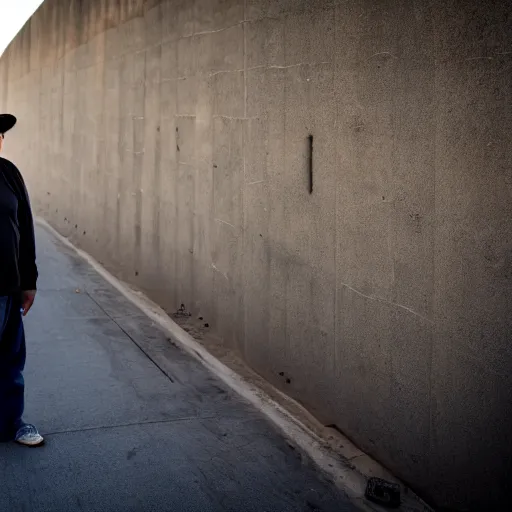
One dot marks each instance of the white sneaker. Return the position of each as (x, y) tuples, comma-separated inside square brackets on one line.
[(28, 435)]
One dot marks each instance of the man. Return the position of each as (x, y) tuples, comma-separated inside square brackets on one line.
[(18, 277)]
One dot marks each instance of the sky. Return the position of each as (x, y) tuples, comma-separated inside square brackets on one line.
[(13, 15)]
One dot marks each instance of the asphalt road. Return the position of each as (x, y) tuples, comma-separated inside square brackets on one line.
[(126, 432)]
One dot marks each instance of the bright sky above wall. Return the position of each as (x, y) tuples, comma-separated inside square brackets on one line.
[(13, 15)]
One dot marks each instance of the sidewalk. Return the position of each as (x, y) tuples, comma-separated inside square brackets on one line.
[(123, 436)]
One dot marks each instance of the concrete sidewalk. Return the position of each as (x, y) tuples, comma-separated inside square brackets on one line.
[(122, 435)]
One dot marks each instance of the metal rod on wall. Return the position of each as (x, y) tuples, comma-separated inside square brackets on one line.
[(310, 163)]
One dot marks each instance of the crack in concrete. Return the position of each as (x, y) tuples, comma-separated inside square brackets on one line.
[(126, 425), (381, 299)]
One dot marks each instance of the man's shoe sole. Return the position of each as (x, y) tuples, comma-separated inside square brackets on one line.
[(36, 445)]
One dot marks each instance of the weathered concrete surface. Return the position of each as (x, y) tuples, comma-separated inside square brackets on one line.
[(169, 140), (125, 436)]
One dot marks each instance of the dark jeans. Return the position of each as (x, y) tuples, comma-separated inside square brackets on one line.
[(12, 363)]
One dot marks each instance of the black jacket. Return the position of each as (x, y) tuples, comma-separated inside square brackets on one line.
[(18, 270)]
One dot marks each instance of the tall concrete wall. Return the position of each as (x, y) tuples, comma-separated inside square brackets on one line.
[(169, 139)]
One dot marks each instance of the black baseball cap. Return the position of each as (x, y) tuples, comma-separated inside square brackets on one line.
[(7, 121)]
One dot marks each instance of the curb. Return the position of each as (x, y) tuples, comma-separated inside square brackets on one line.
[(345, 474)]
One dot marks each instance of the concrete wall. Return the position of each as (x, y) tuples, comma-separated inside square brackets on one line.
[(169, 139)]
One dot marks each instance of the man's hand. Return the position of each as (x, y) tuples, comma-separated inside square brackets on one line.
[(27, 300)]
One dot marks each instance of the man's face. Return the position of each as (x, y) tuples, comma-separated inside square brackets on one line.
[(1, 141)]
